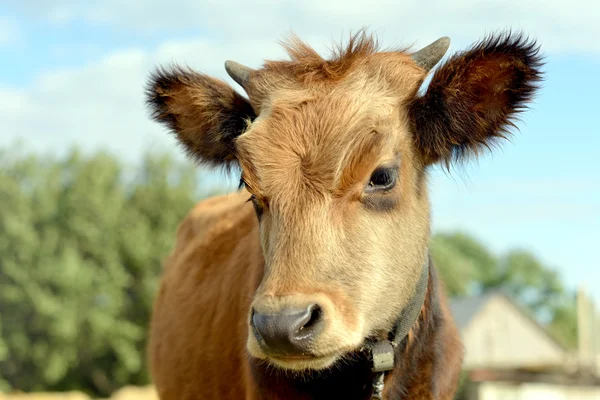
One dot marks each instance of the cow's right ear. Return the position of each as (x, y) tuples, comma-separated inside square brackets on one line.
[(205, 114)]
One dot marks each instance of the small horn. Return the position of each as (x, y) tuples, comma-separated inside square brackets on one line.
[(430, 55), (238, 72)]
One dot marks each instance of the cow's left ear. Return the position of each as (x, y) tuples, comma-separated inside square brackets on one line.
[(474, 98)]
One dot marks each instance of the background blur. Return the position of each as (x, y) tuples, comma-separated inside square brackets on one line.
[(91, 190)]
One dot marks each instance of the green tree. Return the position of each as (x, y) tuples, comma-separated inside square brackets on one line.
[(463, 262), (82, 241)]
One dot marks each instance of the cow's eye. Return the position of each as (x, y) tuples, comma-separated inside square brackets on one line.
[(257, 207), (383, 179)]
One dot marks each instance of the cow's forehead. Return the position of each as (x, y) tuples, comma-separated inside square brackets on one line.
[(319, 118), (311, 143)]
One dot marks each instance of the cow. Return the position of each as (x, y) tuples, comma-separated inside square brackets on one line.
[(314, 279)]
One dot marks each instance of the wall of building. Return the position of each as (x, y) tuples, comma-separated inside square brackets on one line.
[(499, 336), (532, 391)]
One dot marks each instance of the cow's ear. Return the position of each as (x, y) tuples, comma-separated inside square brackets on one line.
[(205, 114), (474, 97)]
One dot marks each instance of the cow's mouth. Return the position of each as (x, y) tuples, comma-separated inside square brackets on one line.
[(306, 362), (315, 362)]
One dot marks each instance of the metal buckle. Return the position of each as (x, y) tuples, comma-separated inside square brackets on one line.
[(383, 356), (378, 386), (382, 353)]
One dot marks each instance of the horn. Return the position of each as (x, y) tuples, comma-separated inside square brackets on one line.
[(430, 55), (238, 72)]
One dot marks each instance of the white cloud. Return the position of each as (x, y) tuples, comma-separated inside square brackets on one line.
[(102, 105), (94, 106), (561, 26)]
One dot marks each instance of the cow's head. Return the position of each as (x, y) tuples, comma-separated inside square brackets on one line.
[(334, 155)]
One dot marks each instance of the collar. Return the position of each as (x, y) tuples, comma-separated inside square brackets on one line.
[(383, 351)]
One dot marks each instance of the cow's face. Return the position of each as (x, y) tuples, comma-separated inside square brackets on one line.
[(343, 213), (333, 155)]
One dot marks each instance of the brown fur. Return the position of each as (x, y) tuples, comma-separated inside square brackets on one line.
[(308, 67), (310, 141)]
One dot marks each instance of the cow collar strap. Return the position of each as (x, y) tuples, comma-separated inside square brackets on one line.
[(383, 351)]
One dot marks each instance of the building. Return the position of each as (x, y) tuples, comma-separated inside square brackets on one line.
[(510, 356)]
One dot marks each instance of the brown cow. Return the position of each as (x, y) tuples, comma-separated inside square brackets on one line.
[(305, 283)]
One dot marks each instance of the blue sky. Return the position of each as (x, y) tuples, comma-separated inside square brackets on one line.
[(74, 74)]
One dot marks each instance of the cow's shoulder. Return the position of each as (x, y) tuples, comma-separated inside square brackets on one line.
[(222, 211), (213, 223)]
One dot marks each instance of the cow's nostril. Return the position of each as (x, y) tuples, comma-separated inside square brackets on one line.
[(314, 317), (288, 332)]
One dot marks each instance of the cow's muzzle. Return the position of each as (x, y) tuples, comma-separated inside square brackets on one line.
[(288, 332)]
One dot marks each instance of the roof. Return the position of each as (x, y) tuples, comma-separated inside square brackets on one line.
[(465, 308)]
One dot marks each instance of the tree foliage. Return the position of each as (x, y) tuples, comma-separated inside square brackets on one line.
[(81, 246), (82, 240)]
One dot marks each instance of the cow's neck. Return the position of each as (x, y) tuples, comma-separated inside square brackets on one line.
[(383, 349), (353, 378)]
